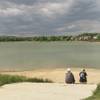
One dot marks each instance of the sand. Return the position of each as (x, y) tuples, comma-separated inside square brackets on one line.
[(45, 91), (58, 74)]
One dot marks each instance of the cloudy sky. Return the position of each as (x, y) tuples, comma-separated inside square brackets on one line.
[(39, 17)]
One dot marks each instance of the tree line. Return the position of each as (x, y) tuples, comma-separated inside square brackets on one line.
[(35, 38), (80, 37)]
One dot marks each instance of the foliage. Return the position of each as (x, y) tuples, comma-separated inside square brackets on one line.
[(52, 38), (7, 79), (96, 94)]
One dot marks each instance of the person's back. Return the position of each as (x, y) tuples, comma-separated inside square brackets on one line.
[(83, 76), (69, 77)]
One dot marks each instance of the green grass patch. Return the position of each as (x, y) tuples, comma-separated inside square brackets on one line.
[(96, 94), (8, 79)]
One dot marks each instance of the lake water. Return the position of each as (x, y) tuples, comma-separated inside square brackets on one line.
[(30, 55)]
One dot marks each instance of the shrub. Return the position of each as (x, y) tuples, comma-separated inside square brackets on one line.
[(7, 79)]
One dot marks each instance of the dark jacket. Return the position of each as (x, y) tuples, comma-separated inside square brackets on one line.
[(69, 78), (83, 76)]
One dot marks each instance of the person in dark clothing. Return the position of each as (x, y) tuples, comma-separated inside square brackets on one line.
[(69, 79), (83, 76)]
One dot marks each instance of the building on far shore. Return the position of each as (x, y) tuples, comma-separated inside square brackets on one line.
[(87, 37), (95, 37)]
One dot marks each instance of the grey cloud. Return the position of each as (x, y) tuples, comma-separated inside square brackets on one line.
[(49, 16)]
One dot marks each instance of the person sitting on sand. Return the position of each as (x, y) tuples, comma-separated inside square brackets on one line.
[(69, 79), (83, 76)]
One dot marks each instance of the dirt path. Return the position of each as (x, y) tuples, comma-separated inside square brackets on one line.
[(45, 91)]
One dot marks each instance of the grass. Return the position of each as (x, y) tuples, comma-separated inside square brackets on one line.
[(96, 94), (8, 79)]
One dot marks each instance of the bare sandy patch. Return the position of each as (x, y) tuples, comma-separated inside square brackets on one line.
[(45, 91)]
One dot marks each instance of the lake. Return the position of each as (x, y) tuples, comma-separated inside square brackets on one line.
[(30, 55)]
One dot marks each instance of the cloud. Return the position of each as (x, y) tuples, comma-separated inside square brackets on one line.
[(49, 16), (10, 12), (56, 8)]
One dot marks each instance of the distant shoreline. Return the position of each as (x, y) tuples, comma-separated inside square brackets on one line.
[(91, 37)]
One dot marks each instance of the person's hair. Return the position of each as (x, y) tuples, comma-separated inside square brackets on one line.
[(83, 69)]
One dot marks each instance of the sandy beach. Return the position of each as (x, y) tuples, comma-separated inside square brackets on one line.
[(57, 75)]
